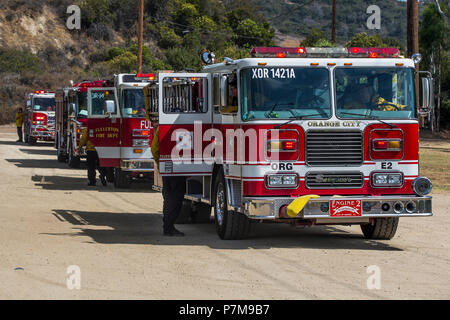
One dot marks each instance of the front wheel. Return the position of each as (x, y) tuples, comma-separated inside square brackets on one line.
[(380, 229), (230, 225), (122, 179)]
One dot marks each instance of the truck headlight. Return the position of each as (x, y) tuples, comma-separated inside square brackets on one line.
[(282, 181), (387, 179), (141, 142)]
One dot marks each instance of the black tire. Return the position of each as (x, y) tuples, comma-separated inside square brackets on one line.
[(122, 179), (230, 225), (110, 175), (381, 229), (202, 213), (73, 161), (32, 141), (61, 157), (185, 215)]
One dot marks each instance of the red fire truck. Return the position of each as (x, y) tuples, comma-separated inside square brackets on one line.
[(72, 118), (39, 117), (306, 136), (119, 129)]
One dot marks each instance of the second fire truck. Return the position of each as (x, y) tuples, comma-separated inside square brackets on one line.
[(118, 127)]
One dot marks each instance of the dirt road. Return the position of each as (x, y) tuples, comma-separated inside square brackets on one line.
[(50, 220)]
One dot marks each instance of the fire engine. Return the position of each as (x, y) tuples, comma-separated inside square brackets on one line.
[(39, 117), (306, 136), (71, 119), (119, 129)]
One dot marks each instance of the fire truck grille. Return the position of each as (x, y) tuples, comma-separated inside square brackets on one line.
[(325, 180), (334, 148)]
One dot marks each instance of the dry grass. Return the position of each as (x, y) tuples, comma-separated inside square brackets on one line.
[(435, 162)]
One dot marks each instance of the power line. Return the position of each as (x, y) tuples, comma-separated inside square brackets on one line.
[(206, 31)]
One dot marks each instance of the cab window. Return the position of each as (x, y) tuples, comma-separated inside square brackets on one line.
[(185, 95)]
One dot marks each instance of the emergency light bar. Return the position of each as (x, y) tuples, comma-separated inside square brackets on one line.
[(146, 76), (278, 52), (301, 52)]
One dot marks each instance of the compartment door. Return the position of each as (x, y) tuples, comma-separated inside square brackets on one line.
[(184, 116), (104, 125)]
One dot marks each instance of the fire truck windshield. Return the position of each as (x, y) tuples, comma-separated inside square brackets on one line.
[(133, 103), (383, 93), (44, 104), (285, 92)]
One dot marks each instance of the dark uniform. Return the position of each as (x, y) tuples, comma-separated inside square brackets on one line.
[(173, 192), (93, 163)]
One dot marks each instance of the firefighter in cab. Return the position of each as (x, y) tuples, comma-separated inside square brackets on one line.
[(93, 162), (19, 123), (173, 192)]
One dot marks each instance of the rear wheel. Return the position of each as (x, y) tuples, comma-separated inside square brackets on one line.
[(110, 175), (380, 229), (74, 162), (185, 215), (61, 157), (31, 141), (122, 179), (230, 225)]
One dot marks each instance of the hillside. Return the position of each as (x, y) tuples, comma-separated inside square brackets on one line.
[(296, 18), (37, 51)]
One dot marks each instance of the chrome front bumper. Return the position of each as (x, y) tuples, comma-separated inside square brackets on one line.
[(138, 165), (269, 208)]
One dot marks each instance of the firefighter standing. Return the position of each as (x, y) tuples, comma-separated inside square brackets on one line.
[(173, 192), (19, 123), (93, 162)]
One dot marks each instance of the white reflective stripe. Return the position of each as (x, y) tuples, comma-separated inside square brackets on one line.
[(128, 153), (108, 152)]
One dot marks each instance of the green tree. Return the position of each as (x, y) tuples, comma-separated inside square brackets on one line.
[(364, 40), (434, 46), (314, 36), (19, 61), (250, 33), (168, 38), (124, 63)]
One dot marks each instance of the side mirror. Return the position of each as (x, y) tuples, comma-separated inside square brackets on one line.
[(28, 103), (427, 100), (110, 107), (208, 57), (223, 92)]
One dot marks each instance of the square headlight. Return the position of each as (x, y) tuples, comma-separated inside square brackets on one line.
[(387, 179), (282, 181), (141, 143)]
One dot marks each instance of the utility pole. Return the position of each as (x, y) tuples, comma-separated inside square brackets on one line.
[(413, 39), (140, 34), (333, 23)]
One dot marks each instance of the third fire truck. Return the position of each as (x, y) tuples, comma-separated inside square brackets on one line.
[(72, 118), (307, 136)]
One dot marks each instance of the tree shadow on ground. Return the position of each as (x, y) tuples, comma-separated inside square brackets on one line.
[(146, 229)]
